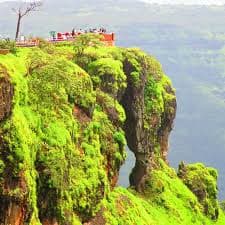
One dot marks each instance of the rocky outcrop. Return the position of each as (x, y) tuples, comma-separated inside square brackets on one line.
[(14, 213), (62, 142), (147, 127), (50, 222), (13, 192), (6, 94), (98, 219), (13, 207), (63, 146), (202, 181), (167, 120), (137, 138)]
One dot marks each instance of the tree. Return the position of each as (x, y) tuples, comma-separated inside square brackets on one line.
[(81, 43), (86, 40), (23, 10)]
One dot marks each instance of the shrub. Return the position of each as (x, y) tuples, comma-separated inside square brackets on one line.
[(202, 181), (222, 205), (108, 75), (120, 139), (85, 40), (10, 45)]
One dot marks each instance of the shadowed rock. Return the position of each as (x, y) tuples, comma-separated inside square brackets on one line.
[(6, 94), (147, 133)]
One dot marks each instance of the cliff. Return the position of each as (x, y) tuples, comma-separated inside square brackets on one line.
[(66, 116)]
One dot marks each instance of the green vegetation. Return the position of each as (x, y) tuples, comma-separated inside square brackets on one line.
[(80, 45), (7, 44), (85, 40), (63, 144), (202, 181), (107, 74), (70, 152), (135, 58), (165, 200)]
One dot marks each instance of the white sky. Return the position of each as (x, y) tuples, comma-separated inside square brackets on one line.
[(14, 0), (187, 2)]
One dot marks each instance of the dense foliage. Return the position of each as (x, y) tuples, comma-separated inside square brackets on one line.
[(165, 201), (202, 181), (9, 45), (63, 144)]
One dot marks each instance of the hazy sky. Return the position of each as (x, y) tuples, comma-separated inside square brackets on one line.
[(186, 2)]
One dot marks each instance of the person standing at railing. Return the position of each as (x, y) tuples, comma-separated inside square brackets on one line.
[(73, 32)]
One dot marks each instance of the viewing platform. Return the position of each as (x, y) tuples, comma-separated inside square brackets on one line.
[(107, 38)]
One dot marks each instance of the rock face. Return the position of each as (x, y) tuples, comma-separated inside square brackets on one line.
[(12, 209), (62, 148), (14, 215), (147, 126), (167, 120), (61, 141), (202, 181), (63, 133), (6, 94)]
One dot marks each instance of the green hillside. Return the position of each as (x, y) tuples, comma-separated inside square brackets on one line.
[(67, 113)]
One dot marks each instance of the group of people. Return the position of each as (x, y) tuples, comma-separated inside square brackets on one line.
[(57, 36), (91, 30)]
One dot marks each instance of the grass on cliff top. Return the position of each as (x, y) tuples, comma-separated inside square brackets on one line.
[(126, 207), (165, 201)]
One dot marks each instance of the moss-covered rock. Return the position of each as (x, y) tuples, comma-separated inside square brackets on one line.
[(150, 105), (6, 93), (202, 181), (165, 200), (65, 120), (59, 143), (107, 74)]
